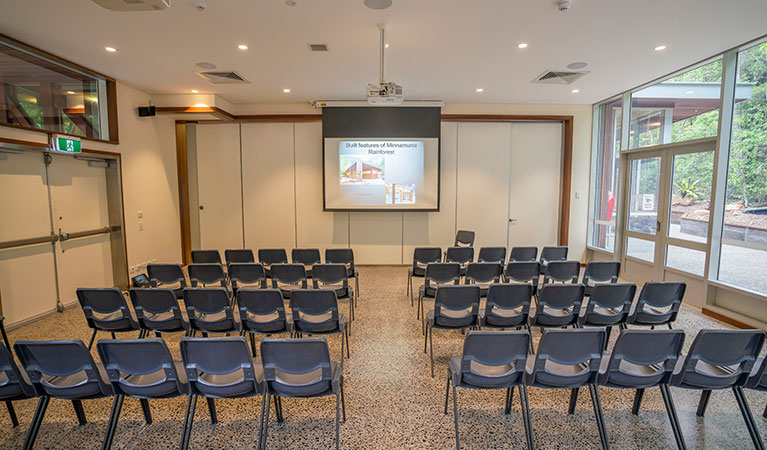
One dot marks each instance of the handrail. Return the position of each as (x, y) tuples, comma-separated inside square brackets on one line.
[(86, 233), (28, 241)]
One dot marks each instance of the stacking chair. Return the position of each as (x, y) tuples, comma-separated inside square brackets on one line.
[(608, 306), (460, 255), (141, 369), (558, 306), (206, 274), (600, 272), (483, 274), (64, 370), (300, 368), (307, 257), (333, 276), (345, 256), (642, 359), (14, 385), (561, 272), (548, 254), (262, 311), (437, 274), (523, 272), (210, 311), (523, 254), (2, 324), (492, 254), (167, 275), (422, 257), (758, 379), (315, 312), (455, 308), (569, 359), (106, 310), (508, 306), (269, 256), (206, 257), (721, 359), (219, 368), (157, 311), (464, 238), (658, 304), (491, 360), (288, 278), (246, 274), (238, 256)]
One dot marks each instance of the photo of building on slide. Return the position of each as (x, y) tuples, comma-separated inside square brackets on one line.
[(362, 169), (400, 194)]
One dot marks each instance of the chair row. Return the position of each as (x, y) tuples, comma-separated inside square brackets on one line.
[(209, 310), (641, 359), (219, 368)]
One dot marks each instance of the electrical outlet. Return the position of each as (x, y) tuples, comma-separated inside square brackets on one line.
[(141, 214), (141, 226)]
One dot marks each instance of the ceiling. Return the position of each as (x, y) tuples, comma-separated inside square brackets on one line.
[(439, 49)]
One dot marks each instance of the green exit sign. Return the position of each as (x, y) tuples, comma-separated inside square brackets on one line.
[(66, 144)]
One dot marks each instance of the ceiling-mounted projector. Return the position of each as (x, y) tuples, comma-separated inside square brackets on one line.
[(134, 5), (383, 93)]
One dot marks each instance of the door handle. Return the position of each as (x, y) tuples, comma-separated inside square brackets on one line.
[(512, 220), (63, 236), (657, 226), (201, 207)]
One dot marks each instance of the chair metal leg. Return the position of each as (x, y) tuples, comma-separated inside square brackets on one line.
[(703, 403), (252, 344), (93, 337), (278, 409), (409, 288), (607, 336), (113, 335), (509, 398), (676, 428), (212, 410), (573, 401), (37, 420), (740, 396), (114, 416), (146, 410), (12, 413), (637, 401), (79, 412), (357, 290), (594, 391), (337, 422), (531, 338), (343, 402), (431, 351), (447, 390), (764, 413), (261, 420), (425, 338), (526, 416), (266, 420), (5, 336), (455, 418), (191, 407)]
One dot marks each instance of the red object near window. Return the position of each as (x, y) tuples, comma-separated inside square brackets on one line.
[(610, 206)]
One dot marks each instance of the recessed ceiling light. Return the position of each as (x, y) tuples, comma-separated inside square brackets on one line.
[(575, 91), (378, 4), (689, 92), (195, 91), (290, 3), (660, 48), (242, 47), (110, 49), (480, 90), (286, 90), (386, 45), (71, 92), (522, 45)]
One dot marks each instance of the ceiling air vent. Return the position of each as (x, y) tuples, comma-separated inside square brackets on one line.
[(558, 77), (229, 77), (318, 47)]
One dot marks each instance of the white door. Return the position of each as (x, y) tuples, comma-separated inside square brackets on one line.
[(534, 184)]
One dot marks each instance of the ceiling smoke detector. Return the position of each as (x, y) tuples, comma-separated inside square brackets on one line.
[(565, 5)]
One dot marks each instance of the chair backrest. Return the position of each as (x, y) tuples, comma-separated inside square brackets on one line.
[(206, 274), (240, 255), (601, 272), (618, 297), (509, 296), (720, 358), (461, 255), (61, 369), (555, 253), (269, 256), (206, 257), (492, 254), (98, 302), (426, 255), (309, 305), (456, 306), (203, 301), (160, 274), (523, 254), (442, 273), (14, 384), (643, 358), (305, 256), (523, 272), (758, 378), (562, 272), (288, 274), (329, 274), (483, 272), (580, 349), (505, 351), (561, 296), (127, 361), (261, 309), (657, 295), (247, 273), (295, 357), (207, 359), (340, 256), (154, 301), (464, 238)]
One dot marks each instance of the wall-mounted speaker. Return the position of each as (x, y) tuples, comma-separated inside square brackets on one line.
[(146, 111)]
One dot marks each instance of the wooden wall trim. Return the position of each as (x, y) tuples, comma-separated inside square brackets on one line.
[(726, 319), (182, 169), (567, 177)]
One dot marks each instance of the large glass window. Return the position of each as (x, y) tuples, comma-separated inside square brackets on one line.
[(605, 183), (743, 259), (681, 108), (40, 93)]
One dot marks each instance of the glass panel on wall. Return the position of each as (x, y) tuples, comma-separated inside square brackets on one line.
[(641, 249), (39, 93), (685, 259), (743, 256), (604, 189), (691, 196), (681, 108), (643, 195)]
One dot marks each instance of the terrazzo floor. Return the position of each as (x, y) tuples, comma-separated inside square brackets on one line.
[(391, 399)]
